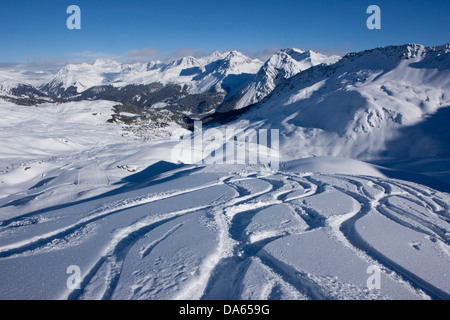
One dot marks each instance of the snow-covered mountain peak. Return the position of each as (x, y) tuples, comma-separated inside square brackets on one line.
[(106, 63), (235, 54), (185, 62), (292, 61), (282, 65), (214, 56), (292, 51), (233, 67), (85, 75), (228, 63), (152, 65)]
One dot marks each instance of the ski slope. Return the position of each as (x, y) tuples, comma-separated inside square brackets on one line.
[(228, 232)]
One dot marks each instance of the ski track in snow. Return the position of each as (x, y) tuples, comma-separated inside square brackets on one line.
[(246, 221)]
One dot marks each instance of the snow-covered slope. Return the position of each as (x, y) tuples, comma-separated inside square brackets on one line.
[(359, 106), (219, 232), (80, 193), (282, 65)]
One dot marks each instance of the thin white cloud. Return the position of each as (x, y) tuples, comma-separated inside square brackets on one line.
[(90, 55), (340, 50), (142, 55), (186, 52), (262, 54), (153, 54), (51, 65)]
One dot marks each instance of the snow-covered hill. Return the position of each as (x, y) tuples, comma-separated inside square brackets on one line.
[(220, 232), (77, 194), (362, 106), (83, 188)]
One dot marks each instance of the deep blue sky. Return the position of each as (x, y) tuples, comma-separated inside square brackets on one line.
[(36, 29)]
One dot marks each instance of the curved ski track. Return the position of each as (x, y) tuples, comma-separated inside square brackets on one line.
[(222, 272)]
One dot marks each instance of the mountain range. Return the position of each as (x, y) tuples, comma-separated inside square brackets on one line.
[(366, 105), (99, 201), (192, 87)]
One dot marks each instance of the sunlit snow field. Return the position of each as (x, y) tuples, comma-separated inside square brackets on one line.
[(77, 191)]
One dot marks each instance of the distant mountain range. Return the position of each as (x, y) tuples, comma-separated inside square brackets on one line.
[(187, 87), (385, 103)]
